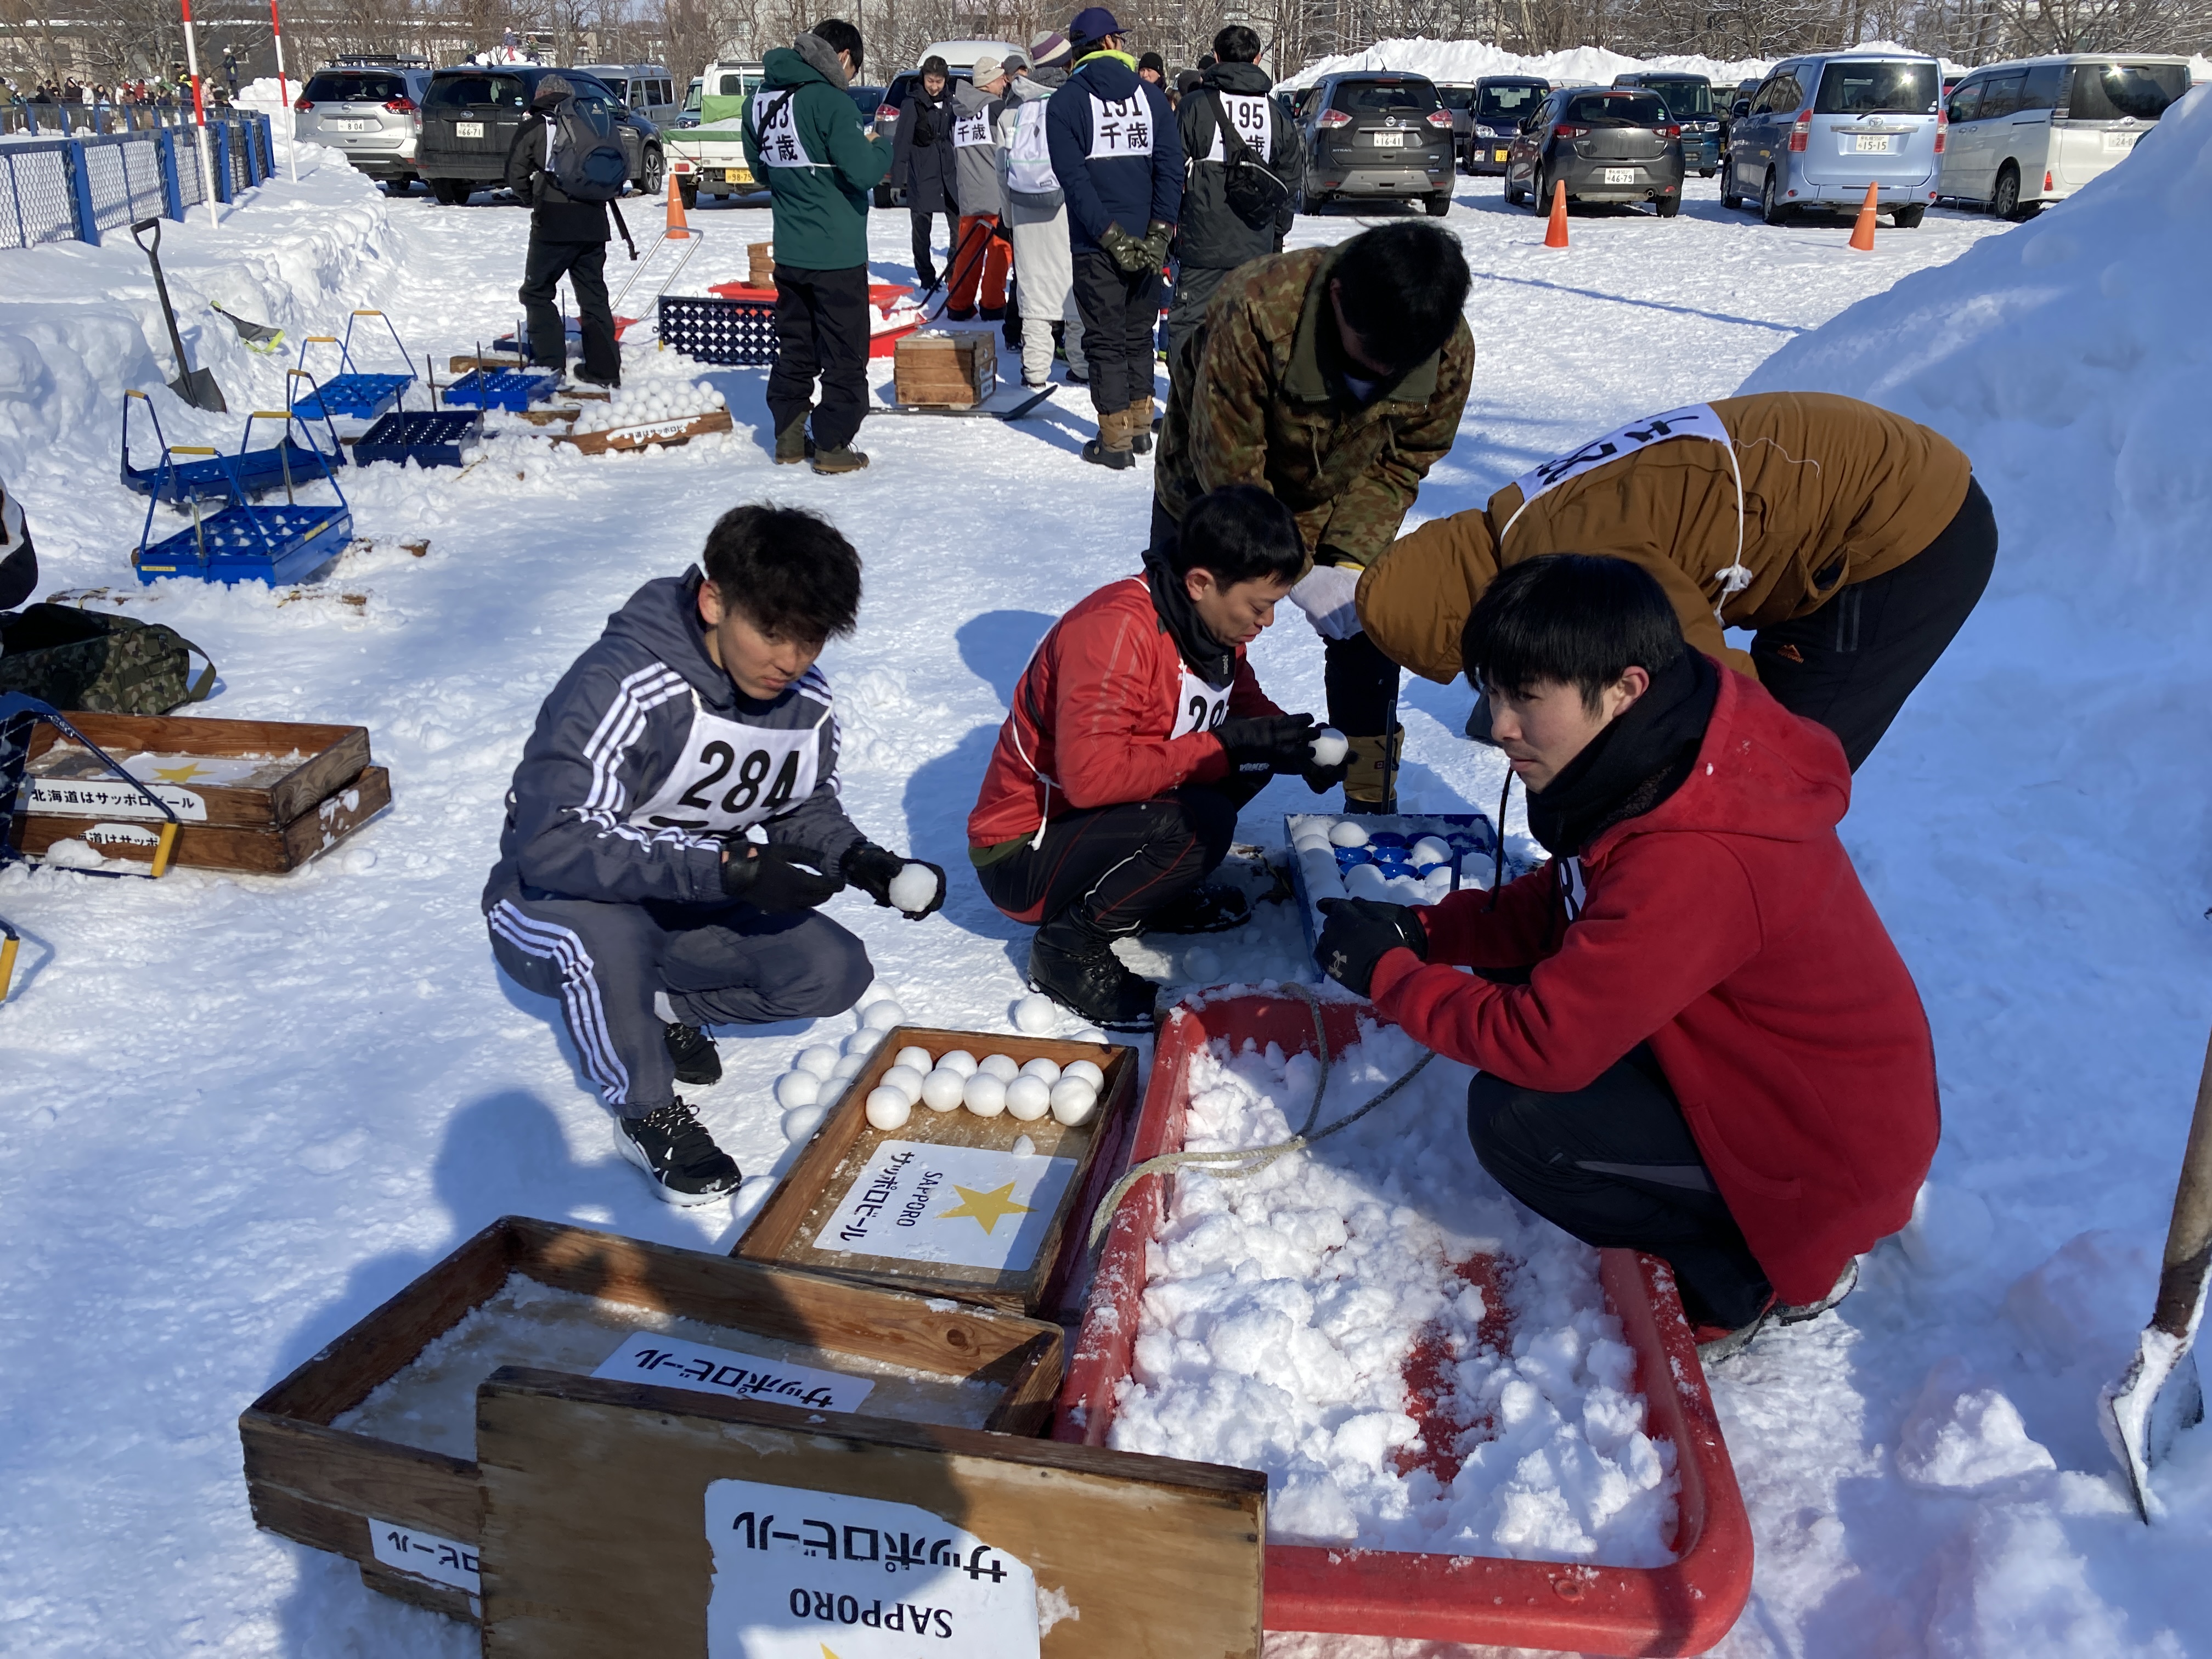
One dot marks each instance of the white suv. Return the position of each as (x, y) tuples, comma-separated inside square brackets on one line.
[(2028, 133)]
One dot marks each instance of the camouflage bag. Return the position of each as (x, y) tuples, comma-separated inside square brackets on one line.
[(106, 665)]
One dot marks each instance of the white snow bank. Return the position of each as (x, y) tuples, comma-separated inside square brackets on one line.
[(1283, 1308), (1469, 60)]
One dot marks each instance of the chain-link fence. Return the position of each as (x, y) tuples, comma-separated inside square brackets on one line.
[(58, 188), (36, 203)]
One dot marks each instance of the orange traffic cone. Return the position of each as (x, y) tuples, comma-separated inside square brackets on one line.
[(679, 227), (1555, 233), (1863, 232)]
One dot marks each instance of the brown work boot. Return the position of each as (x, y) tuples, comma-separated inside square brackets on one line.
[(793, 445), (1371, 778), (843, 459), (1110, 447), (1141, 427)]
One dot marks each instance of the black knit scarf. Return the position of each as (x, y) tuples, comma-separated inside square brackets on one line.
[(1208, 658), (1633, 764)]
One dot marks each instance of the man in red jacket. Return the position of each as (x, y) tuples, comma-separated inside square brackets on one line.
[(1137, 732), (1695, 1036)]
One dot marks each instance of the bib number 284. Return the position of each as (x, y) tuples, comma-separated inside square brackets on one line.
[(744, 793)]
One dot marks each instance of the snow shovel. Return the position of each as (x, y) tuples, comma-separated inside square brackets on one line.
[(196, 386), (2159, 1396), (259, 336)]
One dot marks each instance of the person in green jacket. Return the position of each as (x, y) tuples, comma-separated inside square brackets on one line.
[(805, 137)]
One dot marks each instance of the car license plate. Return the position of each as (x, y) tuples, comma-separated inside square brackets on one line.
[(1871, 143), (1620, 175), (2119, 141), (354, 126), (1498, 154), (468, 129), (1389, 140)]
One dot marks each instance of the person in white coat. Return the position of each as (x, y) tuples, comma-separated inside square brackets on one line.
[(1035, 213)]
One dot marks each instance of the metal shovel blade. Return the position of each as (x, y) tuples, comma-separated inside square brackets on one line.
[(196, 386), (2142, 1413)]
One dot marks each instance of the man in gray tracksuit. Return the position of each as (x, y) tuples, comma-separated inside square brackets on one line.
[(673, 824), (978, 265), (1036, 216)]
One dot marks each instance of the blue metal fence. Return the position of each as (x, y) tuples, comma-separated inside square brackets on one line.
[(55, 190)]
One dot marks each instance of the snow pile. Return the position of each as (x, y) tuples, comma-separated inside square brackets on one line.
[(1285, 1310), (1469, 60)]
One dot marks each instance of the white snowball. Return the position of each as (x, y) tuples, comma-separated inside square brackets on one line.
[(916, 1055), (889, 1108), (1086, 1033), (797, 1089), (1432, 850), (1086, 1070), (801, 1121), (1311, 841), (848, 1066), (958, 1060), (1023, 1147), (1364, 881), (1036, 1014), (1047, 1069), (985, 1095), (942, 1089), (1345, 833), (821, 1059), (864, 1043), (906, 1079), (912, 888), (1029, 1099), (882, 1016), (1005, 1067), (1073, 1101), (1329, 746)]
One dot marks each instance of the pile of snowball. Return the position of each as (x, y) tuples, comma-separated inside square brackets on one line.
[(1421, 874), (987, 1087), (651, 403)]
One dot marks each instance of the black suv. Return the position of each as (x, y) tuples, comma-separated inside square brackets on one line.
[(1604, 146), (1376, 134), (471, 115), (1502, 103)]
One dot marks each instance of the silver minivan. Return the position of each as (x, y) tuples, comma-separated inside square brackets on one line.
[(1822, 128), (2025, 134), (370, 110), (647, 89)]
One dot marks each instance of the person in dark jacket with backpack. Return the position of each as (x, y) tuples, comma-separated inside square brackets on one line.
[(567, 238), (922, 165), (1214, 237), (1116, 155)]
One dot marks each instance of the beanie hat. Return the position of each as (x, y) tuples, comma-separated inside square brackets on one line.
[(986, 70), (1152, 60), (1091, 25), (1050, 50), (552, 89)]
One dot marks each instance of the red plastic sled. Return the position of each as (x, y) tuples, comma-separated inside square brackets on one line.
[(882, 296), (1682, 1609)]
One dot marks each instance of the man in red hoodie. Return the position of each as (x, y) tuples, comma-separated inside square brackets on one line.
[(1137, 732), (1695, 1036)]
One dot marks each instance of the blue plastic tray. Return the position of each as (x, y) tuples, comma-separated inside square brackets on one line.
[(1471, 836), (272, 544), (352, 397), (422, 436), (500, 388)]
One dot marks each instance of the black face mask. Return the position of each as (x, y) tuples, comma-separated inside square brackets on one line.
[(1207, 657), (1632, 765)]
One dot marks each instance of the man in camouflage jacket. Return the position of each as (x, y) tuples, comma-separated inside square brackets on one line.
[(1335, 377)]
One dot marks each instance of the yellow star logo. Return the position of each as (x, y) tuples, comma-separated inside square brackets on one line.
[(183, 774), (985, 1208)]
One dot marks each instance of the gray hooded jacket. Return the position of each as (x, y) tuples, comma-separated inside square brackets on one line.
[(976, 186), (646, 754)]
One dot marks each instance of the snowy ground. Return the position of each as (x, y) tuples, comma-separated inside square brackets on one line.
[(242, 1111)]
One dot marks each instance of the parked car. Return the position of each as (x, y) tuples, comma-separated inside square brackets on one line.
[(1371, 133), (693, 95), (1689, 100), (469, 117), (647, 88), (707, 151), (370, 110), (1502, 103), (1458, 97), (1822, 128), (892, 191), (2024, 135), (1604, 146)]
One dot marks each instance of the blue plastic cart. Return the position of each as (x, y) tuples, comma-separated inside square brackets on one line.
[(258, 471), (242, 542), (426, 437), (354, 395), (509, 389)]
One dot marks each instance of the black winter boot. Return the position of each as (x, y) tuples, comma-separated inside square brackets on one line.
[(1074, 964)]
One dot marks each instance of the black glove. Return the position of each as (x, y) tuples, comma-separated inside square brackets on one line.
[(871, 869), (773, 878), (1359, 934), (1132, 256), (1004, 231), (1322, 779), (1159, 239), (1268, 743)]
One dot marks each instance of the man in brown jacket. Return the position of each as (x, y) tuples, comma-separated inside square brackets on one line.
[(1333, 378), (1854, 542)]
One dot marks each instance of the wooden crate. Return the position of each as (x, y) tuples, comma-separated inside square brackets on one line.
[(622, 1519), (315, 788), (341, 1490), (760, 264), (946, 370), (841, 1148), (648, 434)]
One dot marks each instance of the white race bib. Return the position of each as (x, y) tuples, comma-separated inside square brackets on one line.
[(1697, 421), (1199, 706), (1123, 127), (779, 137), (1249, 116), (732, 776), (972, 128)]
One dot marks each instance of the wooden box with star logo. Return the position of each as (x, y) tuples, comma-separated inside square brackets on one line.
[(262, 796), (989, 1210)]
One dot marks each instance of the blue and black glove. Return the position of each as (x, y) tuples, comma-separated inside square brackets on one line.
[(1359, 932)]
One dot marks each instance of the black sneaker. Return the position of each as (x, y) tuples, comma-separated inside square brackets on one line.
[(1089, 978), (693, 1051), (1210, 908), (673, 1148), (1798, 1313)]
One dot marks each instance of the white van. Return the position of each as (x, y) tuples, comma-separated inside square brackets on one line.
[(965, 54), (2025, 134), (647, 89)]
